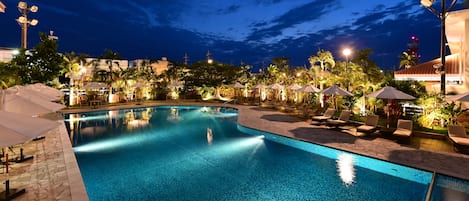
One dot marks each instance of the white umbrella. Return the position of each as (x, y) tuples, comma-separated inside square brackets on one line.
[(32, 94), (175, 85), (336, 90), (17, 128), (276, 86), (50, 91), (390, 93), (259, 86), (294, 87), (95, 85), (309, 88), (17, 103), (459, 97), (237, 85)]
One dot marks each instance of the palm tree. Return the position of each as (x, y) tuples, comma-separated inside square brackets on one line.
[(326, 64), (406, 60), (74, 71)]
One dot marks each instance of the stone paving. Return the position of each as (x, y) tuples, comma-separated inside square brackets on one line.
[(53, 173)]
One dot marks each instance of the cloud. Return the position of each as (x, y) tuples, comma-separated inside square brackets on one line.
[(305, 13)]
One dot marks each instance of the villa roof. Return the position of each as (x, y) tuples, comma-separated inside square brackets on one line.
[(427, 72)]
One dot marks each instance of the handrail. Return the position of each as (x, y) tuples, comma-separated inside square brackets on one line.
[(430, 188)]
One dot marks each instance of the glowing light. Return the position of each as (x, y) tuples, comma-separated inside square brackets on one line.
[(85, 118), (107, 145), (346, 169)]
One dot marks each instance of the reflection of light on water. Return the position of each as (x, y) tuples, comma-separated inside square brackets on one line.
[(174, 115), (135, 123), (238, 145), (107, 144), (346, 169)]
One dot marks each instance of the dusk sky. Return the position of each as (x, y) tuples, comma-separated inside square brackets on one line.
[(234, 31)]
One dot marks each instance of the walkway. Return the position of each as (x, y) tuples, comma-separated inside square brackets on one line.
[(53, 174)]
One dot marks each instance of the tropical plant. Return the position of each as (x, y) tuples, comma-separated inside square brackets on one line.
[(41, 64), (406, 60)]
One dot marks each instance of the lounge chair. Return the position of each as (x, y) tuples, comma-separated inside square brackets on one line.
[(457, 135), (403, 130), (343, 119), (370, 126), (328, 114)]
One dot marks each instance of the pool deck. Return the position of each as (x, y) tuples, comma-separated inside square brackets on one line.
[(53, 173)]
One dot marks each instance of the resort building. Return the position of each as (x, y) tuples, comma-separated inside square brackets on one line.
[(457, 63), (7, 54)]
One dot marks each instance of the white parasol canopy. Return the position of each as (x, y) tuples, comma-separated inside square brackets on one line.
[(237, 85), (259, 86), (31, 94), (95, 85), (276, 86), (308, 88), (175, 85), (389, 92), (294, 86), (43, 89), (459, 97), (336, 90), (18, 128), (17, 103)]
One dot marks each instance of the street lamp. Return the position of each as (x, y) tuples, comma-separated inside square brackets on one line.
[(347, 52), (209, 57), (24, 21), (442, 15)]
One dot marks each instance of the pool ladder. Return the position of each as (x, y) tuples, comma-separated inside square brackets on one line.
[(430, 188)]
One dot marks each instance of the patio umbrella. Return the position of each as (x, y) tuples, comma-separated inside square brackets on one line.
[(94, 85), (294, 87), (390, 93), (32, 106), (31, 94), (460, 97), (46, 90), (18, 128), (237, 85), (259, 86), (276, 86), (309, 88), (335, 90)]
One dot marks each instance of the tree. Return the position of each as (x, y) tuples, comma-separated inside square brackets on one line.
[(72, 64), (326, 64), (324, 58), (42, 64), (406, 60)]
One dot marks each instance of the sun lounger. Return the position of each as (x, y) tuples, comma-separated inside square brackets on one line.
[(404, 129), (370, 126), (457, 135), (343, 119), (328, 114)]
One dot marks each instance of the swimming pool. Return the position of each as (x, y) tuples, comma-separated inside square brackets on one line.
[(200, 153)]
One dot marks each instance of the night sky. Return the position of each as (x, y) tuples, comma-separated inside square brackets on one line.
[(234, 31)]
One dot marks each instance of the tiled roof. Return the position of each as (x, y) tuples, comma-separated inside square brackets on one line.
[(452, 67)]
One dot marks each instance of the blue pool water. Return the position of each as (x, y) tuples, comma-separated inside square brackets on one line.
[(166, 153)]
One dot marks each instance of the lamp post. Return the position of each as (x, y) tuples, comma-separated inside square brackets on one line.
[(347, 52), (209, 57), (442, 16), (25, 22)]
